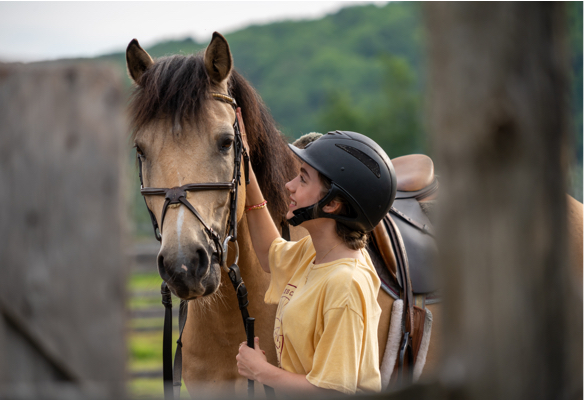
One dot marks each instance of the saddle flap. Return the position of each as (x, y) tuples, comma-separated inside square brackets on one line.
[(420, 247)]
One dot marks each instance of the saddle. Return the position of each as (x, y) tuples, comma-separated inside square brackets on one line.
[(416, 185), (404, 241)]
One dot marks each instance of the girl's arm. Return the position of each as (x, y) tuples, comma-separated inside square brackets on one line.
[(252, 364), (262, 229)]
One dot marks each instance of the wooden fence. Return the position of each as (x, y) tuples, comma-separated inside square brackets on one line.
[(63, 137)]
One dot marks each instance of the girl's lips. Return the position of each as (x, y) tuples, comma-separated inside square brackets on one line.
[(292, 203)]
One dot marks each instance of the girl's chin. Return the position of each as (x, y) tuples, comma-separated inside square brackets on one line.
[(289, 214)]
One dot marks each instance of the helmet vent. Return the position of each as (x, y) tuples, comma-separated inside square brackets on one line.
[(364, 158)]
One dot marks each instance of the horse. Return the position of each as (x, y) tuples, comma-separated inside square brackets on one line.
[(184, 135)]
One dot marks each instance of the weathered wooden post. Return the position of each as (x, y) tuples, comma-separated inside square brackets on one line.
[(62, 285), (498, 117)]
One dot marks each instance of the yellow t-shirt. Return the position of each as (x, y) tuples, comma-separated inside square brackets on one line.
[(327, 317)]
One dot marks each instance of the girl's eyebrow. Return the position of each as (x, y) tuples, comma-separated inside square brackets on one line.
[(303, 171)]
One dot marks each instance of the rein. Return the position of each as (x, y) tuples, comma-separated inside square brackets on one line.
[(178, 195)]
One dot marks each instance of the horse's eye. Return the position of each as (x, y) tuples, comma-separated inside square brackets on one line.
[(226, 144), (139, 151)]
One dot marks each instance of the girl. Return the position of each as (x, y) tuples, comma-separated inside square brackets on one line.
[(325, 284)]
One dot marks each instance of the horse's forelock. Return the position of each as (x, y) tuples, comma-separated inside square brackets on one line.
[(174, 88)]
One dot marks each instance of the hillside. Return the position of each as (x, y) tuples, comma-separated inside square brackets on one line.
[(360, 69), (300, 67)]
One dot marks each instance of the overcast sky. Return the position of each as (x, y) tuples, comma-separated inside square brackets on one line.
[(33, 31)]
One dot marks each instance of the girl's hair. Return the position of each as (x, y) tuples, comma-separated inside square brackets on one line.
[(354, 240)]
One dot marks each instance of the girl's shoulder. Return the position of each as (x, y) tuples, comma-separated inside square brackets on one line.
[(282, 247), (351, 283)]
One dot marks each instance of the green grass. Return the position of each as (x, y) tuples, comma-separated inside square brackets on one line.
[(143, 281), (136, 303), (144, 388), (145, 348), (151, 389)]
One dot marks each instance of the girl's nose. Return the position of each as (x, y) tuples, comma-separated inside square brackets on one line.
[(289, 185)]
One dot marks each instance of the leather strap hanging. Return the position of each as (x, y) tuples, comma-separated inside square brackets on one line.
[(408, 299)]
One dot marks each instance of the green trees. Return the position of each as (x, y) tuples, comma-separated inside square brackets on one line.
[(394, 120), (360, 69)]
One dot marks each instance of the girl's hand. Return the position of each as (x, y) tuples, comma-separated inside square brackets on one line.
[(251, 362), (242, 129)]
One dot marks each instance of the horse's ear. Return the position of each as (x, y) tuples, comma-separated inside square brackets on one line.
[(137, 60), (218, 59)]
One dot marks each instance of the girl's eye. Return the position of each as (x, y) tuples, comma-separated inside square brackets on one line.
[(302, 179)]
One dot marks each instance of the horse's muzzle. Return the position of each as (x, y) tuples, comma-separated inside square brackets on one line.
[(190, 274)]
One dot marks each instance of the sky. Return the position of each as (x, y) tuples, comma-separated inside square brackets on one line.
[(35, 31)]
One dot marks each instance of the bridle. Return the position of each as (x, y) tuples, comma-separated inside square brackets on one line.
[(178, 194)]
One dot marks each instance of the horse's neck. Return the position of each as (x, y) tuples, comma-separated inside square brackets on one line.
[(251, 271), (248, 262)]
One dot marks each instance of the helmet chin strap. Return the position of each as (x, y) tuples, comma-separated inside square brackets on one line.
[(307, 213)]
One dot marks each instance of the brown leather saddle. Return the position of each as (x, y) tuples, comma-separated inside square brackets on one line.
[(404, 250), (417, 188)]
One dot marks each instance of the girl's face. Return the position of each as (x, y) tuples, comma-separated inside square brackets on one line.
[(305, 190)]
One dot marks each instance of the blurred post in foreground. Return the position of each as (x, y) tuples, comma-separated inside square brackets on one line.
[(498, 115), (62, 290)]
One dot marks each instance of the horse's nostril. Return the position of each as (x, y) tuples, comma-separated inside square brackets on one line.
[(161, 270), (200, 263)]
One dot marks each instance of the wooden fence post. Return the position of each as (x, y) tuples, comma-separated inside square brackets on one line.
[(62, 232), (498, 88)]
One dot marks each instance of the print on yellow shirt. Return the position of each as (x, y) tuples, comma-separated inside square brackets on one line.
[(278, 334)]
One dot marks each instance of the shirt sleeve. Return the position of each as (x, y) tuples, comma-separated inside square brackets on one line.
[(283, 258), (337, 355)]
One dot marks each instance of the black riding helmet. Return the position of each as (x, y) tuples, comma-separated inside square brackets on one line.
[(359, 170)]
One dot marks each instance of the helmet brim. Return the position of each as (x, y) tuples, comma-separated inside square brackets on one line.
[(302, 155)]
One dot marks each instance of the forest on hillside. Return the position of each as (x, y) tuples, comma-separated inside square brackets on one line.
[(362, 68)]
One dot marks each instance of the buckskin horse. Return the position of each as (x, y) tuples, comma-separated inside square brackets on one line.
[(183, 127)]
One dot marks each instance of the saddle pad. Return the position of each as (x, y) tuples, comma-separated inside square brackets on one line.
[(424, 332)]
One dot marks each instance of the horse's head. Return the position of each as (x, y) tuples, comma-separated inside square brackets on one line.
[(183, 136)]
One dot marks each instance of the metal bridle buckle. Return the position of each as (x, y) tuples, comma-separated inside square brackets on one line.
[(224, 255)]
